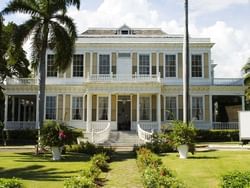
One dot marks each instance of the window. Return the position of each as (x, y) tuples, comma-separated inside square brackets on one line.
[(50, 107), (171, 108), (78, 66), (170, 66), (102, 108), (124, 32), (196, 66), (77, 108), (104, 64), (51, 70), (144, 108), (197, 108), (144, 64)]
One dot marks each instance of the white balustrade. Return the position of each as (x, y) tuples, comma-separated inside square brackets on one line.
[(225, 125), (149, 126), (144, 135), (22, 81), (99, 132), (20, 125), (124, 78)]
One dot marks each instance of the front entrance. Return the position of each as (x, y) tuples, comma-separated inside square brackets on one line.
[(124, 117)]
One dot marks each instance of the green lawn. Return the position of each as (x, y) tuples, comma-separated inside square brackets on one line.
[(204, 169), (40, 171)]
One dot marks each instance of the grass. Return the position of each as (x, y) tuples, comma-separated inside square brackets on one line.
[(204, 169), (40, 171), (124, 172)]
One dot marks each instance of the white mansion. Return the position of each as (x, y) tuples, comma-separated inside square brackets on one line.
[(125, 76)]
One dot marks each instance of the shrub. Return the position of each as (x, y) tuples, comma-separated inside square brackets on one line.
[(161, 143), (236, 179), (79, 182), (217, 135), (100, 161), (150, 178), (10, 183), (93, 172), (55, 134), (145, 158), (90, 149)]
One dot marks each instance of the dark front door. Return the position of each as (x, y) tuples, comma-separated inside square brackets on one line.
[(124, 120)]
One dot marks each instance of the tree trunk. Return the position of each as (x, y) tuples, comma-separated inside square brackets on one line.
[(42, 75)]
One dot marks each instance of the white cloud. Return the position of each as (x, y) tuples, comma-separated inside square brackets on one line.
[(205, 6), (231, 50)]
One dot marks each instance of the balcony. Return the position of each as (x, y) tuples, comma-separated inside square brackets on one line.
[(228, 82), (22, 81), (123, 78)]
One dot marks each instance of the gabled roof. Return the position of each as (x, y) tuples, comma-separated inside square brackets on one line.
[(118, 31)]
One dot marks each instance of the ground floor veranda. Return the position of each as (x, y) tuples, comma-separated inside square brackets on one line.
[(123, 110)]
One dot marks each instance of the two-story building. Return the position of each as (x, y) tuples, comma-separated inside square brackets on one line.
[(125, 76)]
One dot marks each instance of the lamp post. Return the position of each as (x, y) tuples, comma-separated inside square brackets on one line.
[(186, 103)]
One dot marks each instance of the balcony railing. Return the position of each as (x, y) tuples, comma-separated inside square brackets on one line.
[(228, 81), (123, 78), (21, 125), (21, 81), (225, 125)]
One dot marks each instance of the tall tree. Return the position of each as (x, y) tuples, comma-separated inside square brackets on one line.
[(49, 26), (246, 71), (13, 61)]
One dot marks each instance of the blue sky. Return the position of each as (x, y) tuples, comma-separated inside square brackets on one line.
[(226, 22)]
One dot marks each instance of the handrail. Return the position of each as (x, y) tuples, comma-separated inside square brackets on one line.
[(144, 135), (100, 136)]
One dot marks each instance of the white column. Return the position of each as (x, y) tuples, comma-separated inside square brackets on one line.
[(211, 111), (63, 108), (24, 110), (19, 109), (138, 108), (157, 63), (6, 110), (243, 103), (91, 64), (13, 109), (89, 109), (159, 111), (109, 108), (37, 111)]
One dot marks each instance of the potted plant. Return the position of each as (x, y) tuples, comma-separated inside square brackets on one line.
[(55, 135), (182, 137)]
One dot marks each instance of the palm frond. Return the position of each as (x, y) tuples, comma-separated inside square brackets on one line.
[(64, 45), (23, 31), (68, 23), (23, 6)]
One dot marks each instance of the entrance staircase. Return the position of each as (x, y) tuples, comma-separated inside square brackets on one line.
[(123, 140)]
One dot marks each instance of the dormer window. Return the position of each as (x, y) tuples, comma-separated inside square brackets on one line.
[(124, 30)]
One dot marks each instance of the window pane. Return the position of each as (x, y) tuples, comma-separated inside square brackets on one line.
[(171, 108), (104, 64), (170, 66), (78, 66), (77, 108), (196, 66), (103, 108), (51, 70), (144, 64), (197, 108), (144, 108), (50, 107)]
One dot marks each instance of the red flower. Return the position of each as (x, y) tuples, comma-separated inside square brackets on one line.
[(62, 135)]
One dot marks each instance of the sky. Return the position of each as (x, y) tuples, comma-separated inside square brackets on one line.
[(226, 22)]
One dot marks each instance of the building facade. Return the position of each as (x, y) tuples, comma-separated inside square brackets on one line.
[(125, 76)]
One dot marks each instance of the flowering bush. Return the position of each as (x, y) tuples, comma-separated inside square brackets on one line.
[(55, 134)]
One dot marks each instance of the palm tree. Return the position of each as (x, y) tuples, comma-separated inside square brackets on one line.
[(48, 27), (246, 71)]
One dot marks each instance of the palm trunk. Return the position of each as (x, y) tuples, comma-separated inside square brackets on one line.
[(186, 114), (42, 76)]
